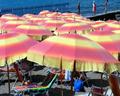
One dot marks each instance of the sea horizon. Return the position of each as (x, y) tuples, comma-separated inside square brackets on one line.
[(65, 6)]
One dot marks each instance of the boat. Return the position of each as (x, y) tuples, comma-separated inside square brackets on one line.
[(20, 7)]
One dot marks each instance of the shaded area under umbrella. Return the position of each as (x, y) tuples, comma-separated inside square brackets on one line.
[(72, 52), (11, 49)]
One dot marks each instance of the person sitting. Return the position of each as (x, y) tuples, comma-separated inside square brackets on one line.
[(78, 84)]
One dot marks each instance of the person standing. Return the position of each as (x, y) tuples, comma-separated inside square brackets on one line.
[(78, 7), (106, 4), (94, 8)]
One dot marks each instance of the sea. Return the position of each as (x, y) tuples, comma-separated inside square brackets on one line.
[(20, 7)]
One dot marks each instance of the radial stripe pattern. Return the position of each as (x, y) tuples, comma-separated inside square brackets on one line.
[(68, 48), (14, 46)]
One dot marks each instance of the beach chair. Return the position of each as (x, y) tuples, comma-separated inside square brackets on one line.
[(34, 89), (26, 68), (3, 72), (98, 91), (114, 84)]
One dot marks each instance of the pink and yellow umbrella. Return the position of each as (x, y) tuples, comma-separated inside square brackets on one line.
[(80, 28), (44, 13), (71, 50), (52, 25), (9, 17), (107, 39), (11, 49), (10, 25), (98, 24), (115, 25), (28, 16), (32, 30)]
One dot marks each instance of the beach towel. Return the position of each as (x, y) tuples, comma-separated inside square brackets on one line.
[(67, 75)]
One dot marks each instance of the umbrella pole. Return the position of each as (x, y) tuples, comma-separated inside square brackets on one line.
[(73, 72), (72, 83), (118, 56), (8, 76), (61, 78)]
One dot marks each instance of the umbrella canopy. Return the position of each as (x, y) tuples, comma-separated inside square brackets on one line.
[(98, 24), (108, 28), (32, 30), (52, 25), (107, 39), (69, 49), (79, 28), (28, 16), (115, 25), (9, 17), (116, 31), (10, 25), (11, 47), (44, 12)]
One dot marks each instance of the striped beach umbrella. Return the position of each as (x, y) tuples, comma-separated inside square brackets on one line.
[(27, 16), (115, 25), (107, 39), (80, 28), (53, 25), (9, 17), (13, 47), (107, 28), (116, 31), (44, 13), (10, 25), (32, 30), (98, 24), (71, 51)]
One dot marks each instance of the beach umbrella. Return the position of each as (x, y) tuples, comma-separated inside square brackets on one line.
[(116, 31), (53, 14), (27, 16), (10, 25), (115, 25), (38, 20), (35, 31), (98, 24), (80, 28), (9, 17), (53, 25), (44, 12), (109, 28), (72, 52), (11, 48), (76, 48), (107, 39)]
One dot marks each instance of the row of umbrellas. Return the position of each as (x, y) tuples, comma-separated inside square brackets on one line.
[(67, 51)]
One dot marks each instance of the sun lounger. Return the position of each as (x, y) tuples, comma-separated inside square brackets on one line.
[(98, 91), (34, 89)]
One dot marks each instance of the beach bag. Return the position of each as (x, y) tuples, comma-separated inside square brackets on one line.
[(78, 85)]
